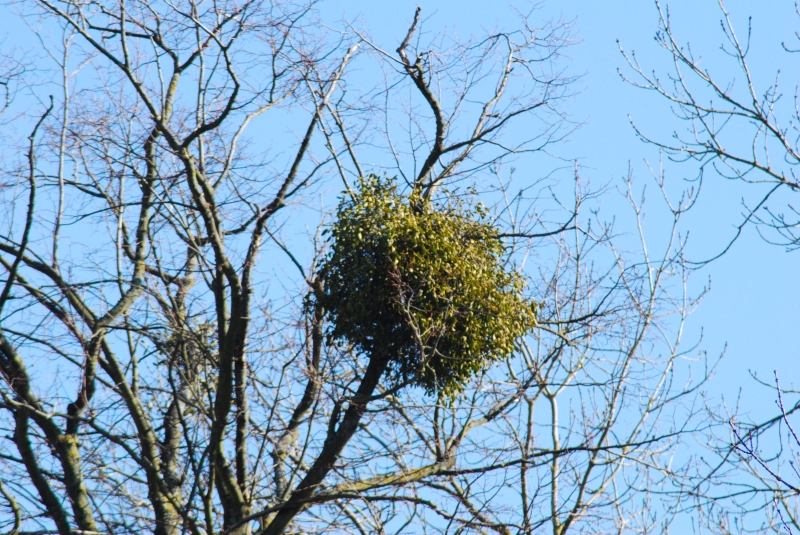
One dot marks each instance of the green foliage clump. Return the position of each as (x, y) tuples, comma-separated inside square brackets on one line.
[(426, 289)]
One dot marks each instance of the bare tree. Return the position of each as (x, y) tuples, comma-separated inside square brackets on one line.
[(163, 368), (741, 128)]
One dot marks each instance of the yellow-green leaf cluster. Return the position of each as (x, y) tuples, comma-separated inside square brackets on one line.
[(425, 288)]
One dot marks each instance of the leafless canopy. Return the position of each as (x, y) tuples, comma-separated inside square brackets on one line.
[(737, 124), (160, 371), (737, 127)]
